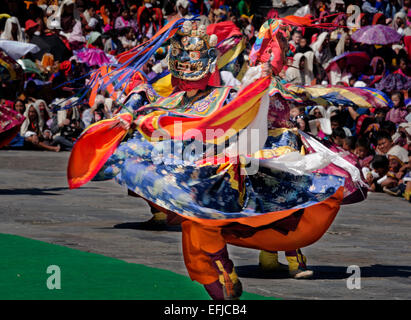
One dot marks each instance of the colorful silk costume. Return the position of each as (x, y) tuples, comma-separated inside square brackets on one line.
[(264, 196)]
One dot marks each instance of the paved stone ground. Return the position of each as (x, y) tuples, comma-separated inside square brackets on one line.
[(35, 202)]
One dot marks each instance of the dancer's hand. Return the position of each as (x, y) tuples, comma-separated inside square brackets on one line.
[(124, 124), (266, 69)]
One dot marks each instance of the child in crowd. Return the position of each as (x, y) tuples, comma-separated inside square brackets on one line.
[(349, 144), (338, 136), (363, 152), (377, 176), (398, 113)]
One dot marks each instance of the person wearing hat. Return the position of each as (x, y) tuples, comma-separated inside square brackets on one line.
[(32, 28), (398, 163)]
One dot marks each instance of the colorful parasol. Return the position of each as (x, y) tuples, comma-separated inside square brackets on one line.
[(341, 96), (376, 34)]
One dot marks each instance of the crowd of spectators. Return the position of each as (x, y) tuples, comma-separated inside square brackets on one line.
[(76, 36)]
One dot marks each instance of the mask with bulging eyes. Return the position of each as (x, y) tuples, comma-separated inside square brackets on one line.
[(192, 53)]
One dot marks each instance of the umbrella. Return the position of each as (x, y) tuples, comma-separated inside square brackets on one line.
[(341, 96), (380, 97), (394, 82), (9, 69), (376, 34), (93, 57), (51, 44), (29, 66), (16, 49), (357, 58)]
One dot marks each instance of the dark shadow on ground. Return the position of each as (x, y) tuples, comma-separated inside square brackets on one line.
[(33, 191), (328, 272), (36, 191), (145, 226)]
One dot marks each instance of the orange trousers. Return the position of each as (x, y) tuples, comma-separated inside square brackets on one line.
[(200, 239)]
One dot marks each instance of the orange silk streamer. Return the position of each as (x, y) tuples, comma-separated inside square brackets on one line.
[(95, 145)]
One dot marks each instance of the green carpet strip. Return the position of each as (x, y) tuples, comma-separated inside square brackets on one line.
[(86, 276)]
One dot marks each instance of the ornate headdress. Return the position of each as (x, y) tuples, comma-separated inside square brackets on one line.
[(192, 53)]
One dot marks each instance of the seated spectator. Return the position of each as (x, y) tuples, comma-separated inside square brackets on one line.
[(19, 106), (369, 6), (303, 46), (67, 128), (344, 44), (337, 137), (391, 8), (380, 115), (98, 112), (399, 22), (388, 126), (124, 20), (322, 50), (339, 72), (405, 184), (302, 123), (300, 73), (12, 30), (68, 16), (363, 152), (295, 111), (376, 177), (45, 112), (18, 140), (32, 130), (398, 113), (397, 169), (149, 19), (349, 144), (384, 143), (402, 136), (112, 44), (128, 38), (337, 122), (296, 37), (403, 68)]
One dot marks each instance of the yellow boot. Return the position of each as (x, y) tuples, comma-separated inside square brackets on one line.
[(269, 261), (232, 287), (159, 220), (297, 267)]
